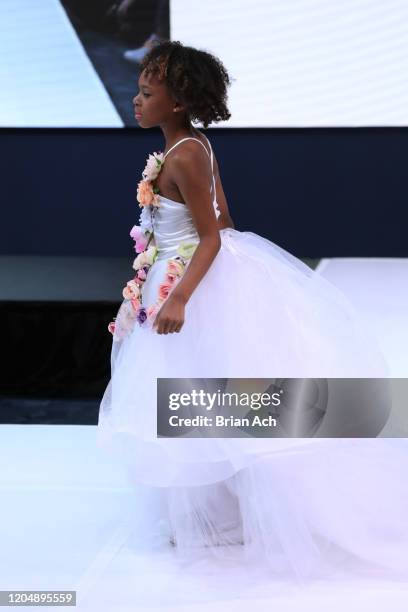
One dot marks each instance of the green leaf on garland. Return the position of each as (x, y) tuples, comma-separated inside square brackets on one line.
[(186, 249)]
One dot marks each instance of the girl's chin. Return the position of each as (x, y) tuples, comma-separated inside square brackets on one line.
[(145, 124), (142, 122)]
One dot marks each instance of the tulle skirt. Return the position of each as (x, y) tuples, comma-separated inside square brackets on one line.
[(303, 505)]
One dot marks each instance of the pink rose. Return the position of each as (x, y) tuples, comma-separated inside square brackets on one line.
[(138, 236), (141, 245), (152, 311), (135, 232), (111, 327), (171, 278), (138, 281), (164, 290), (141, 274)]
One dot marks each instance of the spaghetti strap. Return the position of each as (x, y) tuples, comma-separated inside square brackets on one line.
[(211, 151), (188, 138)]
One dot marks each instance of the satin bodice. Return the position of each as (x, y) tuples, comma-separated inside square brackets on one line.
[(172, 224), (171, 221)]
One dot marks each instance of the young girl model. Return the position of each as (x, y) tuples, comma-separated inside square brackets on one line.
[(210, 301)]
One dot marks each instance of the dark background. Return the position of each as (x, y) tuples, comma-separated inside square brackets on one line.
[(69, 201), (320, 192)]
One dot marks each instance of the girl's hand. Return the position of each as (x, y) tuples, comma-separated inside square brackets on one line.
[(170, 317)]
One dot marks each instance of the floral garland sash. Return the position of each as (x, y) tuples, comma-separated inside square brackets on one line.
[(132, 309)]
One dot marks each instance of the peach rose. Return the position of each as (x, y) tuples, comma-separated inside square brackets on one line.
[(135, 303), (131, 290), (145, 195), (174, 266), (132, 284)]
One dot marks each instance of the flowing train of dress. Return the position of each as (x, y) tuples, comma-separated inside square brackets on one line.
[(304, 505)]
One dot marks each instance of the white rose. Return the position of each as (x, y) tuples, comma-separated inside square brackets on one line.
[(140, 261), (150, 254), (153, 166)]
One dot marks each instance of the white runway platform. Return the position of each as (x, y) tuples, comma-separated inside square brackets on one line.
[(67, 510)]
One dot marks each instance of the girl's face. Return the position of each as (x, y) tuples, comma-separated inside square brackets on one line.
[(153, 105)]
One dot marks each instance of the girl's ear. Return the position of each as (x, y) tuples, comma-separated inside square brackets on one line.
[(178, 107)]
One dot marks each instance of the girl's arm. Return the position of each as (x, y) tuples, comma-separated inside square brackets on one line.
[(191, 172)]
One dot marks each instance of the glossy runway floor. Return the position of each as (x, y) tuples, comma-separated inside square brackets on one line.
[(67, 510)]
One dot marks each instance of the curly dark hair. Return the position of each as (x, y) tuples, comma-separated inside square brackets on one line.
[(198, 79)]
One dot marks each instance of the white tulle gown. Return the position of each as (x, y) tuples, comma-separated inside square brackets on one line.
[(304, 506)]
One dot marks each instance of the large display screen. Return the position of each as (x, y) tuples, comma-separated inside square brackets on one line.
[(293, 63)]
